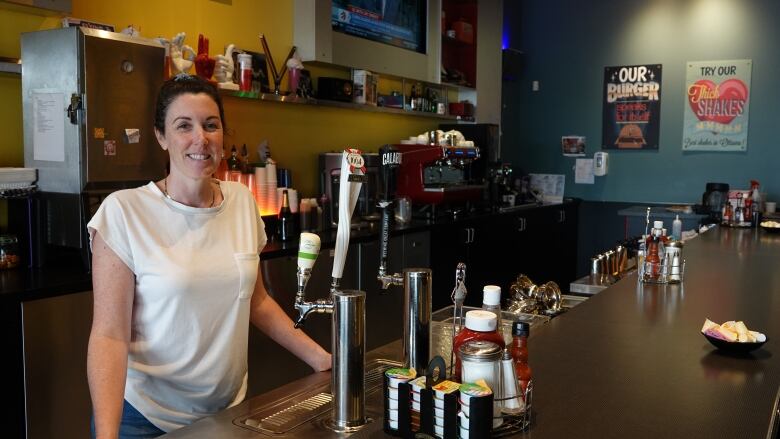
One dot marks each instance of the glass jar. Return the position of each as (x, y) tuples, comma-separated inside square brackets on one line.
[(9, 252), (482, 361)]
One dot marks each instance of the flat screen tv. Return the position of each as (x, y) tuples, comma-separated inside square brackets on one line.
[(399, 23)]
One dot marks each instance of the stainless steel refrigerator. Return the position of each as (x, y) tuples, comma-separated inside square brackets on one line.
[(88, 110)]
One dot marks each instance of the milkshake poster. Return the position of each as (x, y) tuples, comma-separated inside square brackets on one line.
[(716, 105), (632, 107)]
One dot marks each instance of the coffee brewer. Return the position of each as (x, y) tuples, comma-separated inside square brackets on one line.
[(330, 177), (714, 198)]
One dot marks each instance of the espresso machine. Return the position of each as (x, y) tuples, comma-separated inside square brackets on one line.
[(438, 174), (88, 99)]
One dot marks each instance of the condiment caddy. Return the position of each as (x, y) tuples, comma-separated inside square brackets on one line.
[(660, 259), (434, 405)]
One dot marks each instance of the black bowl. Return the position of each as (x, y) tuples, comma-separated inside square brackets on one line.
[(734, 347)]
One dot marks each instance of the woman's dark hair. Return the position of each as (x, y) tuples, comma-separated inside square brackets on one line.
[(179, 85)]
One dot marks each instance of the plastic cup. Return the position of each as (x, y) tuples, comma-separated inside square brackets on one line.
[(770, 206)]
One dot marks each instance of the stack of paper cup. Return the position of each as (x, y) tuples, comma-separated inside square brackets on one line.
[(270, 175), (261, 190)]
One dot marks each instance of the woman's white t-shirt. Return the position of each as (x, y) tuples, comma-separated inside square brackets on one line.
[(195, 271)]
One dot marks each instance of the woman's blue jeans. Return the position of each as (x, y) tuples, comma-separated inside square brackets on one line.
[(134, 425)]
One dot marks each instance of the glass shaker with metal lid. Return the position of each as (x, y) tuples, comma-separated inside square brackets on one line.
[(482, 361)]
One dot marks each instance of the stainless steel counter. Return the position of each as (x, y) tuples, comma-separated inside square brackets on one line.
[(298, 409)]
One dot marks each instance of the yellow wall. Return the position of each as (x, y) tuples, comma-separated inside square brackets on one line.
[(296, 133)]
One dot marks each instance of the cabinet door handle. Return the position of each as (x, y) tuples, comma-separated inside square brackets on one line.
[(521, 227), (415, 244), (473, 234)]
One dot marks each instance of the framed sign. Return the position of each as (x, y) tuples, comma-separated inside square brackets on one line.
[(632, 107), (716, 104)]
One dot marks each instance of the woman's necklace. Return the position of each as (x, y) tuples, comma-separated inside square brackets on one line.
[(165, 191)]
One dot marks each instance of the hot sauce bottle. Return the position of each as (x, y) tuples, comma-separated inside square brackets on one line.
[(519, 350)]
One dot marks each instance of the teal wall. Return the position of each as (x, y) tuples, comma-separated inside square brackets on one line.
[(567, 44)]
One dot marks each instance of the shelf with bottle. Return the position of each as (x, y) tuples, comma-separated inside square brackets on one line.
[(293, 99)]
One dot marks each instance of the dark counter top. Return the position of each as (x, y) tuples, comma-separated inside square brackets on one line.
[(631, 361), (68, 275)]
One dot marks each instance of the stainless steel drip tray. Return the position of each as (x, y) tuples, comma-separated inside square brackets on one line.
[(303, 414)]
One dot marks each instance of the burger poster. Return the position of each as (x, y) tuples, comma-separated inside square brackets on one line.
[(632, 107), (716, 105)]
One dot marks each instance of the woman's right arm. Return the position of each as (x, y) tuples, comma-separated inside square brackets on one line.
[(113, 286)]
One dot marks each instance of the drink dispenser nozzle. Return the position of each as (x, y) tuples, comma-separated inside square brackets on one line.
[(390, 161), (308, 250)]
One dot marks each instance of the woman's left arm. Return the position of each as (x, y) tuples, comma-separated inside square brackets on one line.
[(269, 317)]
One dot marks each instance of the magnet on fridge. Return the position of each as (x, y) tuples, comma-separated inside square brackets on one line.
[(600, 164)]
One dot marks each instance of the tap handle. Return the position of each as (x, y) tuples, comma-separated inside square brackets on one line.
[(390, 161)]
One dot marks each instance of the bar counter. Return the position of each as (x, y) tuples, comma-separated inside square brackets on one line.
[(631, 361)]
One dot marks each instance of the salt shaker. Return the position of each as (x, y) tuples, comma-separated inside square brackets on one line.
[(512, 401), (481, 360)]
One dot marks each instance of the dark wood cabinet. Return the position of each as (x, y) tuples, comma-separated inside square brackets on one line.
[(539, 242)]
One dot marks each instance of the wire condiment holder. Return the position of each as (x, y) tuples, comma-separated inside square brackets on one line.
[(514, 423), (668, 271)]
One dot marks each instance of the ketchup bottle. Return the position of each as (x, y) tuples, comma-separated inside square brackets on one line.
[(519, 350), (480, 325)]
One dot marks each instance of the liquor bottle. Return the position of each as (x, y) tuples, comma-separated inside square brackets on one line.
[(285, 227), (413, 98), (234, 165)]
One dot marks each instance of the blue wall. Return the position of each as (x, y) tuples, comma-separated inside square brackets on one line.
[(567, 44)]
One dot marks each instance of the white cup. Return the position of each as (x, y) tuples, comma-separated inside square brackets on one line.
[(770, 206)]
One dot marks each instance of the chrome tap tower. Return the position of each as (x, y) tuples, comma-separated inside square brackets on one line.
[(347, 308), (417, 282)]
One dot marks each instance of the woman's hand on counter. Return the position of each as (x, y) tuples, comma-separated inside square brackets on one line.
[(323, 362)]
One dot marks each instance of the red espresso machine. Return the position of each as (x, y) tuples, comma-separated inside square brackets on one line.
[(435, 174)]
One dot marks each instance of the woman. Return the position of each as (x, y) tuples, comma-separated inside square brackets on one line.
[(176, 281)]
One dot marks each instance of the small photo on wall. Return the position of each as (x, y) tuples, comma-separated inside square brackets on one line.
[(573, 146)]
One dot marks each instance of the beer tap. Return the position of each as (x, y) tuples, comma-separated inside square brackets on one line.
[(347, 308), (390, 161), (416, 281), (352, 175), (308, 250)]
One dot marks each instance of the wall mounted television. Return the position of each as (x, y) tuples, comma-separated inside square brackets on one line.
[(376, 39), (399, 23)]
